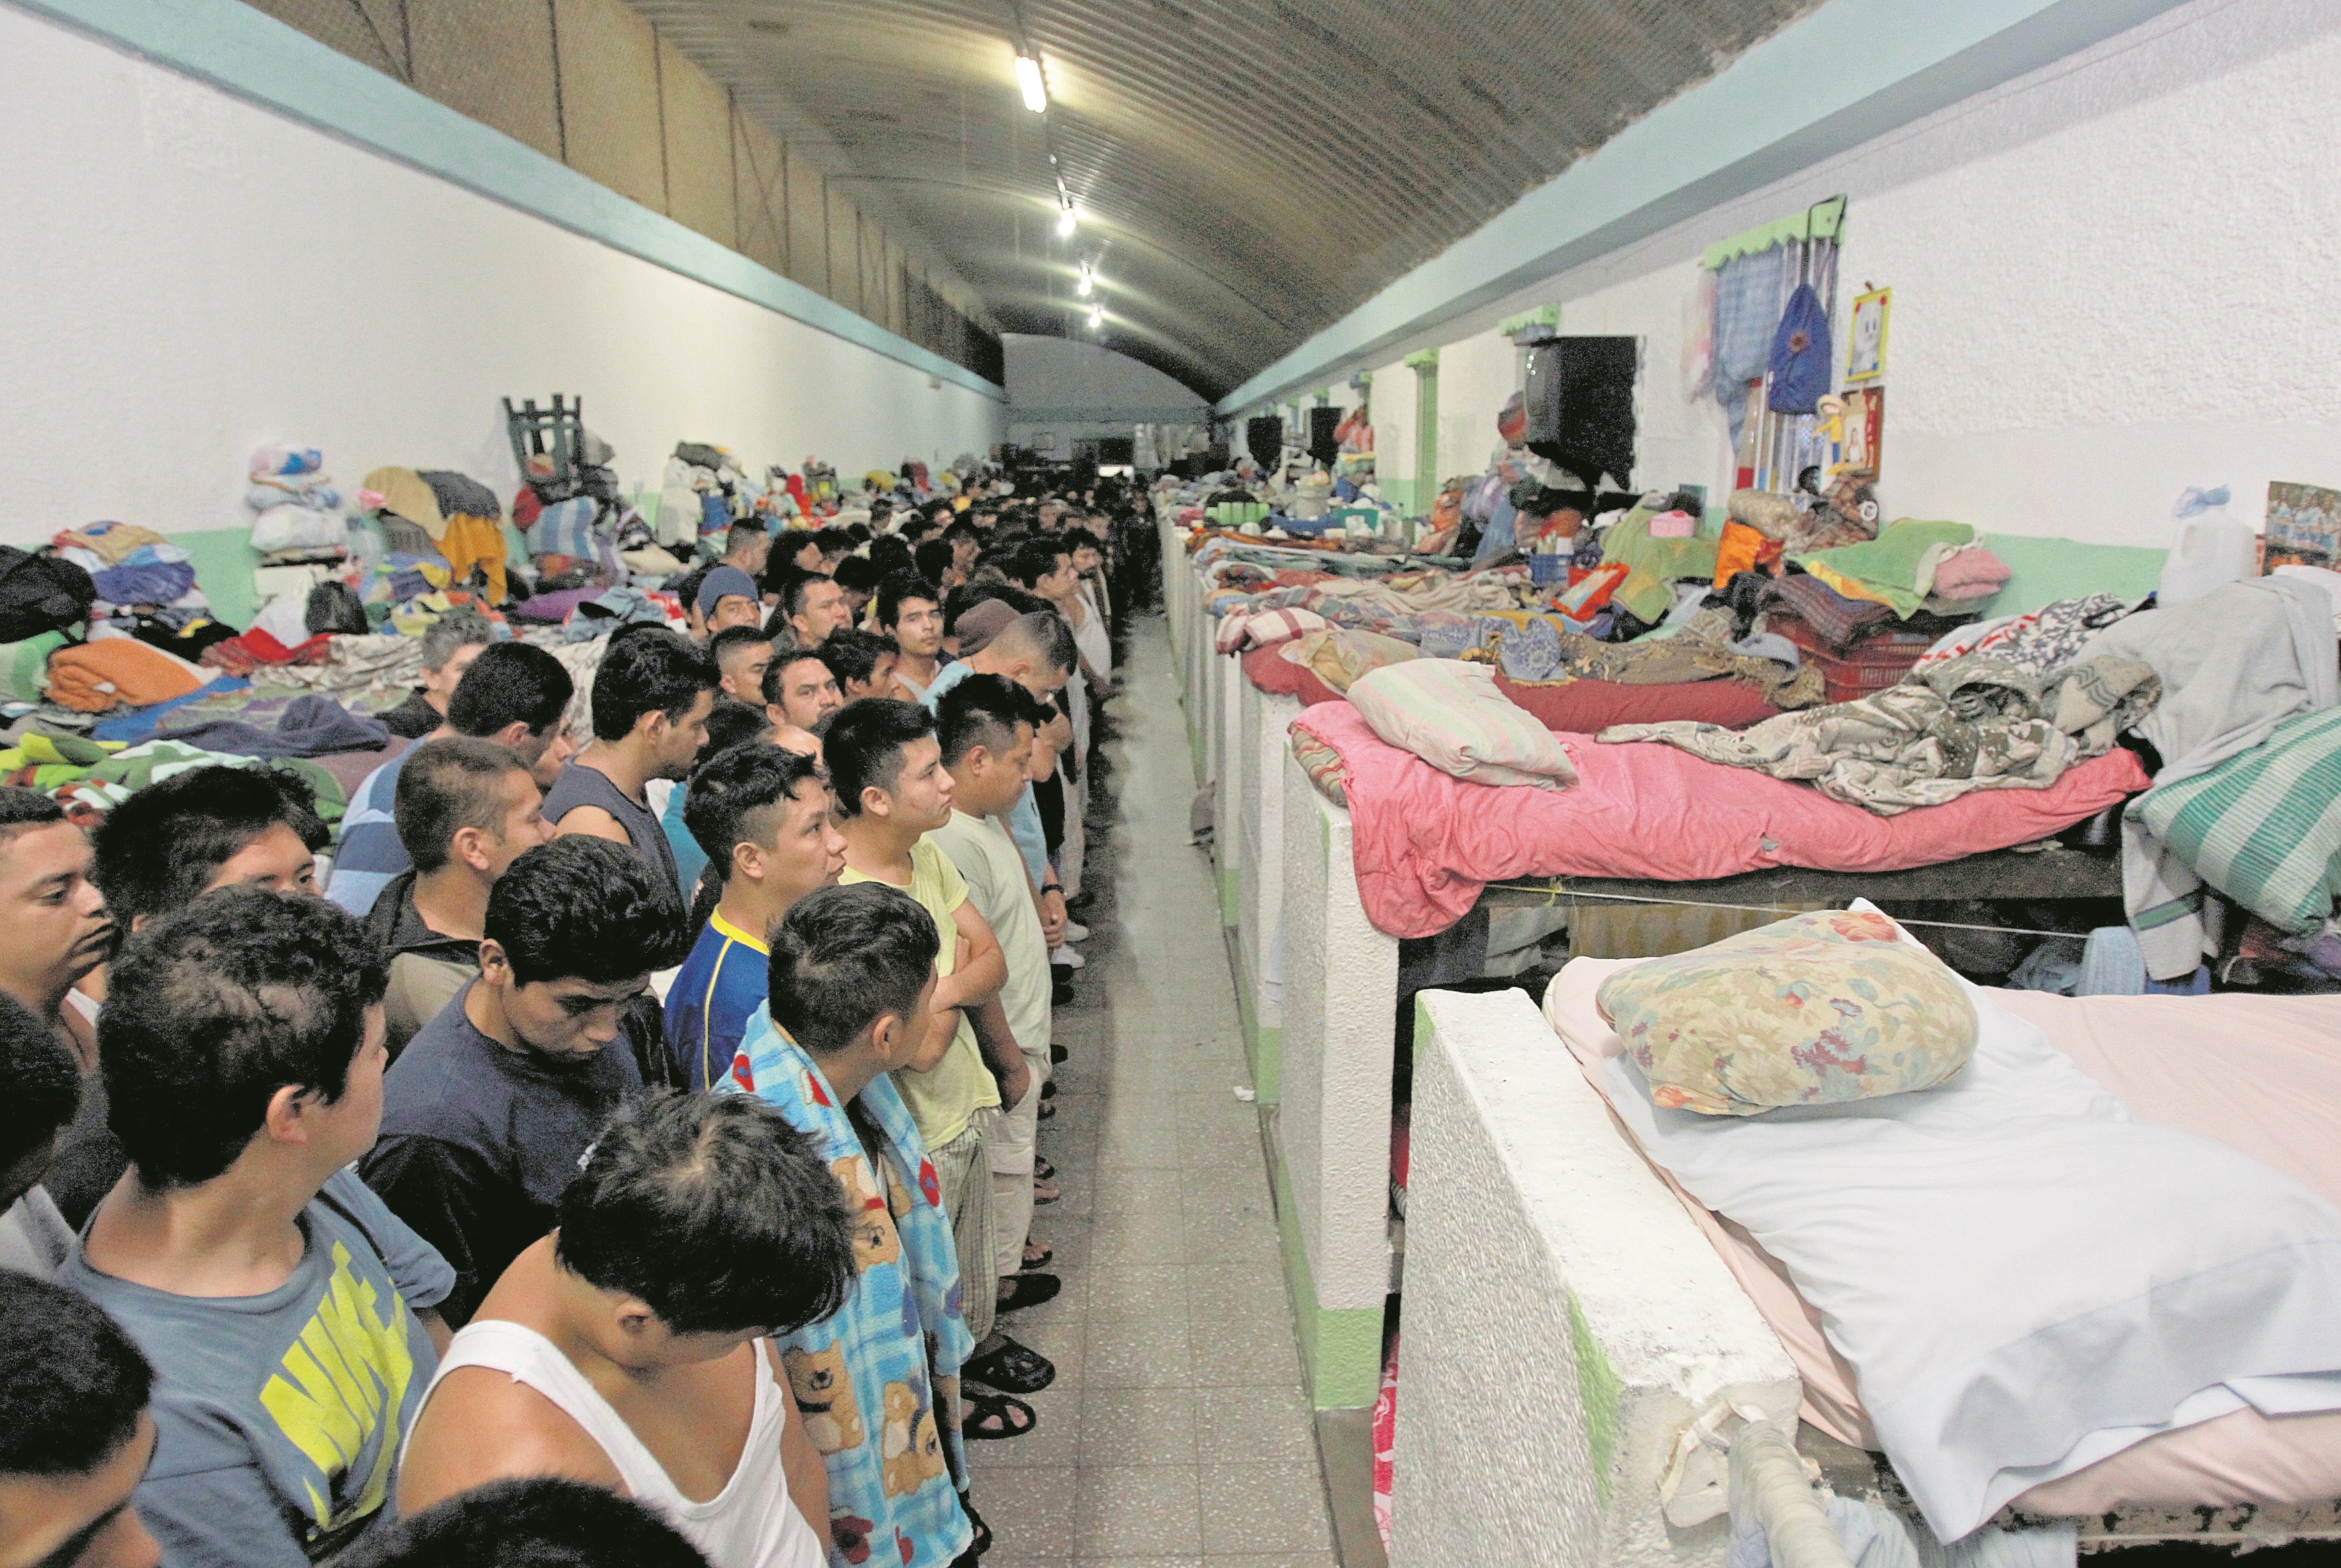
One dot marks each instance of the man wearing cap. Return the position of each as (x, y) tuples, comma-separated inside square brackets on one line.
[(728, 597)]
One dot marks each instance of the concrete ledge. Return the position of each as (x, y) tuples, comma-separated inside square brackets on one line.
[(1565, 1320)]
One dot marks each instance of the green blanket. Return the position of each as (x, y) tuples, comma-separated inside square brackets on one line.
[(1888, 564), (1649, 590), (2265, 828)]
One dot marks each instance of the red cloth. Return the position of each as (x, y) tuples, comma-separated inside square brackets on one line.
[(1268, 668), (1426, 843), (1589, 707)]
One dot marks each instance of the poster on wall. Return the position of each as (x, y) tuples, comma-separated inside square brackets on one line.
[(2304, 526), (1854, 424), (1865, 354)]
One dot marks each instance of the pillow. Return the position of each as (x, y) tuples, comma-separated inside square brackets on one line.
[(1449, 713), (1815, 1009)]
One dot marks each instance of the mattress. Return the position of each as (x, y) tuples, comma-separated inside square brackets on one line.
[(2260, 1074)]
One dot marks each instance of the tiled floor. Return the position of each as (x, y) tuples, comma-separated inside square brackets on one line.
[(1176, 1433)]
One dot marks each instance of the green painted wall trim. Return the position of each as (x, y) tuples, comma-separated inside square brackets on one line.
[(1340, 1347), (1230, 896), (246, 52), (1849, 72), (1542, 316), (1428, 360), (1598, 1391), (1264, 1043)]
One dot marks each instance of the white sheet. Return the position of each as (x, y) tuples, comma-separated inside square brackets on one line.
[(2025, 1279)]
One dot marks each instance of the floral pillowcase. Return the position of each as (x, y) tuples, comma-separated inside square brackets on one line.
[(1815, 1009)]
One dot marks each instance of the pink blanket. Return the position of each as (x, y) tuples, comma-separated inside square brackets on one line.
[(1426, 843)]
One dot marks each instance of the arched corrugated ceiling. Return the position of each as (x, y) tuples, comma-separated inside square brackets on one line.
[(1246, 170)]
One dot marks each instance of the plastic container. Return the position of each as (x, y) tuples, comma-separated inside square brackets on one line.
[(2212, 548)]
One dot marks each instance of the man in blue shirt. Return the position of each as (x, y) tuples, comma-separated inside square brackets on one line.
[(515, 694), (763, 815)]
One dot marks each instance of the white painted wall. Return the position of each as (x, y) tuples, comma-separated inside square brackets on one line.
[(1395, 396), (1476, 376), (2113, 279), (1048, 376), (190, 276)]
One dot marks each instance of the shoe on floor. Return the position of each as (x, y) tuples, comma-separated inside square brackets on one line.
[(1076, 932), (1058, 1054), (1011, 1368), (1061, 995), (1029, 1290), (1066, 957)]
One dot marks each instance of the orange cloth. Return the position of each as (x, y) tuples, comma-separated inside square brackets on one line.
[(95, 676), (472, 541), (1743, 548)]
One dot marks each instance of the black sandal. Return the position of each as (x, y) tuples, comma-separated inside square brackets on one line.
[(1029, 1290), (1014, 1368), (1048, 1256), (994, 1415), (1058, 1054), (1044, 1169), (1049, 1090)]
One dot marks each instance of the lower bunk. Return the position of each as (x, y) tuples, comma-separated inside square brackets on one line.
[(1587, 1343)]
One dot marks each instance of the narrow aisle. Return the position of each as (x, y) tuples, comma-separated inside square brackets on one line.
[(1177, 1432)]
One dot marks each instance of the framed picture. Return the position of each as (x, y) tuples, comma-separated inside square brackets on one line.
[(1857, 427), (2303, 528), (1866, 356)]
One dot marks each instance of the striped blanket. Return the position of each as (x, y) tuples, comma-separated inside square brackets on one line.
[(2262, 828)]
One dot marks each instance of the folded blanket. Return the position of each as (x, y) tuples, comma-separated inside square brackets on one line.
[(117, 673), (310, 726), (1958, 725), (1897, 569)]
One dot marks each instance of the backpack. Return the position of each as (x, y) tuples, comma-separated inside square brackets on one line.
[(40, 593)]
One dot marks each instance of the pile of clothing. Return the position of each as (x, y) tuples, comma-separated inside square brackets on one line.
[(702, 491), (297, 516), (427, 512)]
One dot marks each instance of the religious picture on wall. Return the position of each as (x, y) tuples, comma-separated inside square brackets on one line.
[(1857, 425), (1866, 359), (2304, 526)]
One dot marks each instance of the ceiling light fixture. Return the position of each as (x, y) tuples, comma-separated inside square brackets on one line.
[(1028, 79), (1066, 220), (1088, 285), (1097, 317)]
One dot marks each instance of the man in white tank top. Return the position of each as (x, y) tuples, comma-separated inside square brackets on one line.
[(630, 1348)]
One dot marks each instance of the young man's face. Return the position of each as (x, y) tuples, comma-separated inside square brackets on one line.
[(344, 1129), (809, 694), (83, 1520), (438, 685), (735, 610), (1087, 558), (853, 599), (743, 672), (547, 754), (807, 852), (918, 628), (53, 916), (749, 551), (882, 678), (987, 784), (520, 826), (922, 796), (678, 740), (1058, 582), (910, 1032), (807, 558), (559, 1022), (821, 611), (277, 860)]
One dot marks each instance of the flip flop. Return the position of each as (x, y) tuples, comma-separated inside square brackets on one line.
[(1058, 1054), (994, 1415), (1044, 1169), (1048, 1256), (1046, 1192), (1014, 1368), (1029, 1290)]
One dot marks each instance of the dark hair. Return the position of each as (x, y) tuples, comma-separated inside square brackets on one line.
[(792, 587), (452, 632), (859, 574), (714, 1210), (890, 554), (895, 590), (583, 908), (686, 587), (834, 541), (537, 1521), (859, 533), (932, 557), (212, 1009), (72, 1383), (845, 957), (776, 672), (733, 723), (749, 525), (963, 529), (783, 559), (654, 671), (22, 808), (509, 683), (444, 786), (731, 791), (40, 1082), (1076, 539), (863, 747), (852, 653), (983, 711), (1043, 634), (732, 637), (159, 848), (1035, 559)]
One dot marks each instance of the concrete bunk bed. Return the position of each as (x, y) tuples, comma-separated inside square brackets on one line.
[(1579, 1316)]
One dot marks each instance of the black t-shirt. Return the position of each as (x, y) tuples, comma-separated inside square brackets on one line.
[(478, 1142)]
